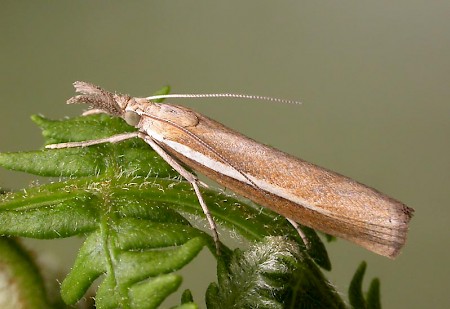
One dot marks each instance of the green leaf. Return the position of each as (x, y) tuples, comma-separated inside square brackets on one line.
[(128, 236), (22, 285), (132, 270), (131, 207), (80, 128), (356, 294), (187, 297), (133, 158), (373, 295), (129, 157), (162, 91), (273, 273), (159, 287), (187, 306)]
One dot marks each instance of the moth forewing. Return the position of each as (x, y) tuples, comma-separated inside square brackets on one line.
[(296, 189)]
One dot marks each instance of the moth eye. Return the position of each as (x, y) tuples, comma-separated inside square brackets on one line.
[(132, 118)]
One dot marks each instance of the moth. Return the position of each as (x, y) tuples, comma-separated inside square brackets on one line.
[(298, 190)]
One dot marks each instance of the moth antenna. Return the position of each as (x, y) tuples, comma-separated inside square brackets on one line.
[(222, 95)]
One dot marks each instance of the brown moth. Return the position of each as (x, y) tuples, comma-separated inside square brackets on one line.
[(300, 191)]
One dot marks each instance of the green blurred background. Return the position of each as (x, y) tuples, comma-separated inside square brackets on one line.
[(373, 78)]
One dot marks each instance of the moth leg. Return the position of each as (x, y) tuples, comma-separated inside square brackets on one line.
[(112, 139), (300, 232), (93, 111), (192, 179)]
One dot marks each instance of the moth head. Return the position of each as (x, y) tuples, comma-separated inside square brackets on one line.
[(130, 115), (99, 98)]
